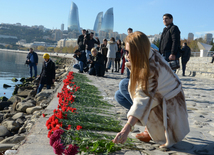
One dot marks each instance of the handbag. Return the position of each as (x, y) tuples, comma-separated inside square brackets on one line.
[(174, 64)]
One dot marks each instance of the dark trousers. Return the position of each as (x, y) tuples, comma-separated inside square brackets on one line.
[(97, 70), (184, 67), (212, 59), (117, 64), (105, 60), (33, 66)]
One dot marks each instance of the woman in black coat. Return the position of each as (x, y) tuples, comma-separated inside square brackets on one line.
[(47, 75)]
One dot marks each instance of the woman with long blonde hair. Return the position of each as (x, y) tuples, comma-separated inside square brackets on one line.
[(157, 98)]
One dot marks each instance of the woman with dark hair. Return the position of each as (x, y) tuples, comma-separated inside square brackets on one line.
[(118, 56), (156, 97), (111, 55)]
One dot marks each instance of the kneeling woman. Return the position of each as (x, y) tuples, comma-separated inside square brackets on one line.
[(97, 63), (156, 93)]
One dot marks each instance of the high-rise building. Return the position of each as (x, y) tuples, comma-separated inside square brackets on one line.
[(62, 27), (208, 38), (73, 19), (190, 36), (98, 22), (108, 21)]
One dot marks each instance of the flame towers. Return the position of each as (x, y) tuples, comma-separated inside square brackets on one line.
[(105, 23), (73, 19)]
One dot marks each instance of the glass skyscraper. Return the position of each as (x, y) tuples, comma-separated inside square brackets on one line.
[(73, 19), (98, 22), (108, 21)]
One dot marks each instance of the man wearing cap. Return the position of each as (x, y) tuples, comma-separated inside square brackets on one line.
[(32, 59), (82, 61), (47, 75)]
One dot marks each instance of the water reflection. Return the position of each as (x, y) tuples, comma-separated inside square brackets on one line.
[(13, 65)]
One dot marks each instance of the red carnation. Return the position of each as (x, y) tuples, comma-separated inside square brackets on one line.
[(58, 147), (71, 150), (55, 136), (79, 127)]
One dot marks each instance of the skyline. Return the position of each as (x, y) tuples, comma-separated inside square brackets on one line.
[(146, 16)]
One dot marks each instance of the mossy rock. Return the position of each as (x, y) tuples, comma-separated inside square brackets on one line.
[(6, 86), (22, 79), (14, 79), (3, 98)]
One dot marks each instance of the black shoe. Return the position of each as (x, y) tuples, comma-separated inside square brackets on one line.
[(80, 71), (112, 70), (106, 70)]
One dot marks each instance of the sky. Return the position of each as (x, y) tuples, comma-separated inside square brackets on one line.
[(193, 16)]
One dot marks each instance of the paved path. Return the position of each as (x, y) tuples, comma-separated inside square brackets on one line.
[(200, 103)]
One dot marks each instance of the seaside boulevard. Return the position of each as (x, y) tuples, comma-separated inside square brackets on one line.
[(200, 105)]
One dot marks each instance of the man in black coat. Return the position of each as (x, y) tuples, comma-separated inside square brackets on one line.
[(32, 61), (185, 55), (81, 41), (47, 75), (170, 39)]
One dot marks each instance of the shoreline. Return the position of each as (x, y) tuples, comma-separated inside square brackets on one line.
[(64, 55)]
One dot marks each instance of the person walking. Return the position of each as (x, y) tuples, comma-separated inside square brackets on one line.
[(32, 61), (47, 75), (156, 98), (170, 39), (185, 56), (112, 49)]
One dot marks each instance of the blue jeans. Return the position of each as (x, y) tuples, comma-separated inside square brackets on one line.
[(122, 95), (79, 66), (127, 71), (87, 54), (41, 86), (33, 65)]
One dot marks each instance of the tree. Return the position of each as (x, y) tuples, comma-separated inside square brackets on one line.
[(57, 49), (50, 49), (41, 48), (156, 42), (212, 49)]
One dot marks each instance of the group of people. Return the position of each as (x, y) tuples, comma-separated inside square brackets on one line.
[(153, 95), (47, 75), (98, 60)]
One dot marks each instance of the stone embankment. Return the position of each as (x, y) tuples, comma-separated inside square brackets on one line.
[(20, 112), (199, 66)]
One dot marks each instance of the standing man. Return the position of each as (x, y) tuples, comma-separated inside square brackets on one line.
[(104, 51), (81, 41), (170, 39), (47, 75), (185, 55), (32, 59), (90, 43)]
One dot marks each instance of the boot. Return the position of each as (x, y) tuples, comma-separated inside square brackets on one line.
[(144, 136)]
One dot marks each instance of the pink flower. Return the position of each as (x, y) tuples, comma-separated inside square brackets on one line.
[(58, 147), (71, 150), (55, 136)]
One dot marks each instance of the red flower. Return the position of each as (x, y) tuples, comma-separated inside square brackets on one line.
[(71, 150), (55, 136), (58, 147), (43, 115), (79, 127), (68, 127)]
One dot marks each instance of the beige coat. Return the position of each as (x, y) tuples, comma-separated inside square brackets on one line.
[(112, 49), (166, 110)]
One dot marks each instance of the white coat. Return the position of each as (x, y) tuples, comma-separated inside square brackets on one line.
[(112, 49), (166, 110)]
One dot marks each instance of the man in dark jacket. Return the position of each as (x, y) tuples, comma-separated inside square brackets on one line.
[(47, 75), (170, 39), (97, 63), (32, 61), (185, 55), (82, 61), (81, 41), (90, 43)]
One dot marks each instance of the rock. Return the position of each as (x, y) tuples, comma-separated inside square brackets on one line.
[(32, 109), (20, 121), (18, 115), (45, 103), (22, 106), (23, 93), (3, 98), (4, 147), (7, 115), (16, 100), (43, 95), (22, 79), (4, 131), (5, 104), (14, 79), (32, 93), (11, 125), (10, 152), (13, 140), (1, 138), (29, 126), (6, 86), (15, 90)]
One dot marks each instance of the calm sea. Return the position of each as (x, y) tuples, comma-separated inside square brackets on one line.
[(13, 65)]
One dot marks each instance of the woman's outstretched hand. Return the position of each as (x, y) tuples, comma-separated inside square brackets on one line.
[(121, 137)]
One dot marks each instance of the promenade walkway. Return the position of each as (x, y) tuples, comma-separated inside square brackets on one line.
[(200, 104)]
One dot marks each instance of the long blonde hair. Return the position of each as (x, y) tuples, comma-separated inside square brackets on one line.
[(139, 48)]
